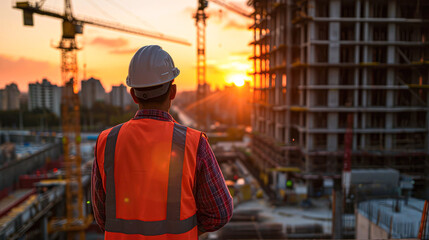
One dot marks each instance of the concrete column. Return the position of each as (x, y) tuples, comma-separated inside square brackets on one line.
[(311, 12), (307, 166), (333, 73), (337, 210), (358, 8), (286, 131), (364, 77), (278, 33), (310, 121), (303, 98), (278, 87), (332, 141), (333, 98), (44, 228), (310, 142), (356, 73), (391, 59), (388, 144), (311, 76), (277, 133), (427, 136), (335, 9), (311, 32), (426, 194), (288, 65)]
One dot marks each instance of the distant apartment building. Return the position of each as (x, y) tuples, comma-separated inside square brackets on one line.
[(9, 97), (120, 97), (92, 91), (317, 62), (44, 95), (3, 100), (12, 93)]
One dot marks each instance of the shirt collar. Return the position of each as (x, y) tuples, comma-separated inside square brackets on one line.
[(153, 114)]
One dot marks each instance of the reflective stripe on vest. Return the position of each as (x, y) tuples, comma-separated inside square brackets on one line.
[(172, 224)]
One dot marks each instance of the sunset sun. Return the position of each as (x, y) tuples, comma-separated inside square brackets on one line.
[(237, 79)]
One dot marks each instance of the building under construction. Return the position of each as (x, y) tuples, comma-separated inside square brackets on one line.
[(318, 63)]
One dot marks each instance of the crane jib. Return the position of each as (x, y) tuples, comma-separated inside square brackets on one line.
[(30, 9)]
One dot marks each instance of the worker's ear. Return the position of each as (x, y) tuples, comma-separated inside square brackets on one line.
[(173, 91), (133, 95)]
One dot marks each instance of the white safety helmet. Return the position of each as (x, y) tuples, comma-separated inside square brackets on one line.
[(151, 66)]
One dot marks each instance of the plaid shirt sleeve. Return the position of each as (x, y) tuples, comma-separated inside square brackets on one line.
[(214, 203), (98, 196)]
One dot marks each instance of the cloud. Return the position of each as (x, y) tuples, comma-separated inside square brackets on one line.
[(110, 42), (24, 70), (233, 24), (117, 45), (243, 53), (124, 51)]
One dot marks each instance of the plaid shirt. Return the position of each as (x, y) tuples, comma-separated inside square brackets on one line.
[(213, 201)]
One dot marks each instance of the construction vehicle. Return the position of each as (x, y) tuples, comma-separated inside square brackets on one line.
[(75, 222)]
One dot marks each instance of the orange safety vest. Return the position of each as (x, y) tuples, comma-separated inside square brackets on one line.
[(148, 172)]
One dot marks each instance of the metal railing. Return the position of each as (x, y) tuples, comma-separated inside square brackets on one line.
[(394, 225)]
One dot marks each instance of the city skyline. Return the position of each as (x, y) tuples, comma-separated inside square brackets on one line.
[(107, 53)]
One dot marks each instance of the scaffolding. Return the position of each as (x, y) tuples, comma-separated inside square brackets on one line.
[(317, 61)]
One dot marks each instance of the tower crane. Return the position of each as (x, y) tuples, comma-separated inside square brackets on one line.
[(200, 21), (75, 222)]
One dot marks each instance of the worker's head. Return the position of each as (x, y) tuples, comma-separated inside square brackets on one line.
[(150, 76)]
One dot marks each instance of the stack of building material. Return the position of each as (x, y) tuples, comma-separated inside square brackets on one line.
[(304, 231), (246, 216), (252, 230)]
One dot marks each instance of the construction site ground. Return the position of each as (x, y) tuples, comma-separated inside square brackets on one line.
[(291, 215)]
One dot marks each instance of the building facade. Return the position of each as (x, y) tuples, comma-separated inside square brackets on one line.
[(3, 100), (44, 95), (120, 97), (12, 95), (9, 98), (319, 63), (92, 91)]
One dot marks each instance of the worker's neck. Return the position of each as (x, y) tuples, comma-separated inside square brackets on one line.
[(163, 107)]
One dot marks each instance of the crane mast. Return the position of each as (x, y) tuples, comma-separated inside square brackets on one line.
[(70, 116), (202, 88)]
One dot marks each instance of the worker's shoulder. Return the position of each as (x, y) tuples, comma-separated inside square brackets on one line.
[(195, 131), (106, 132)]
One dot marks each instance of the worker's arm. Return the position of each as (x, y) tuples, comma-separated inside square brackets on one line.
[(214, 203), (98, 196)]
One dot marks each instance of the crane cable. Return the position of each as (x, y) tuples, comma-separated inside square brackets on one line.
[(131, 13), (101, 10)]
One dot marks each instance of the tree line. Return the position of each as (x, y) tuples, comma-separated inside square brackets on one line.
[(97, 118)]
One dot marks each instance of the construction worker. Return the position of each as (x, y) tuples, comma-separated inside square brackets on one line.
[(153, 177)]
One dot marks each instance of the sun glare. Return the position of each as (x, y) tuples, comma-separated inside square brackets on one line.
[(237, 79)]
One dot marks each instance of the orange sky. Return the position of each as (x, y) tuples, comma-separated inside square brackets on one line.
[(26, 54)]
